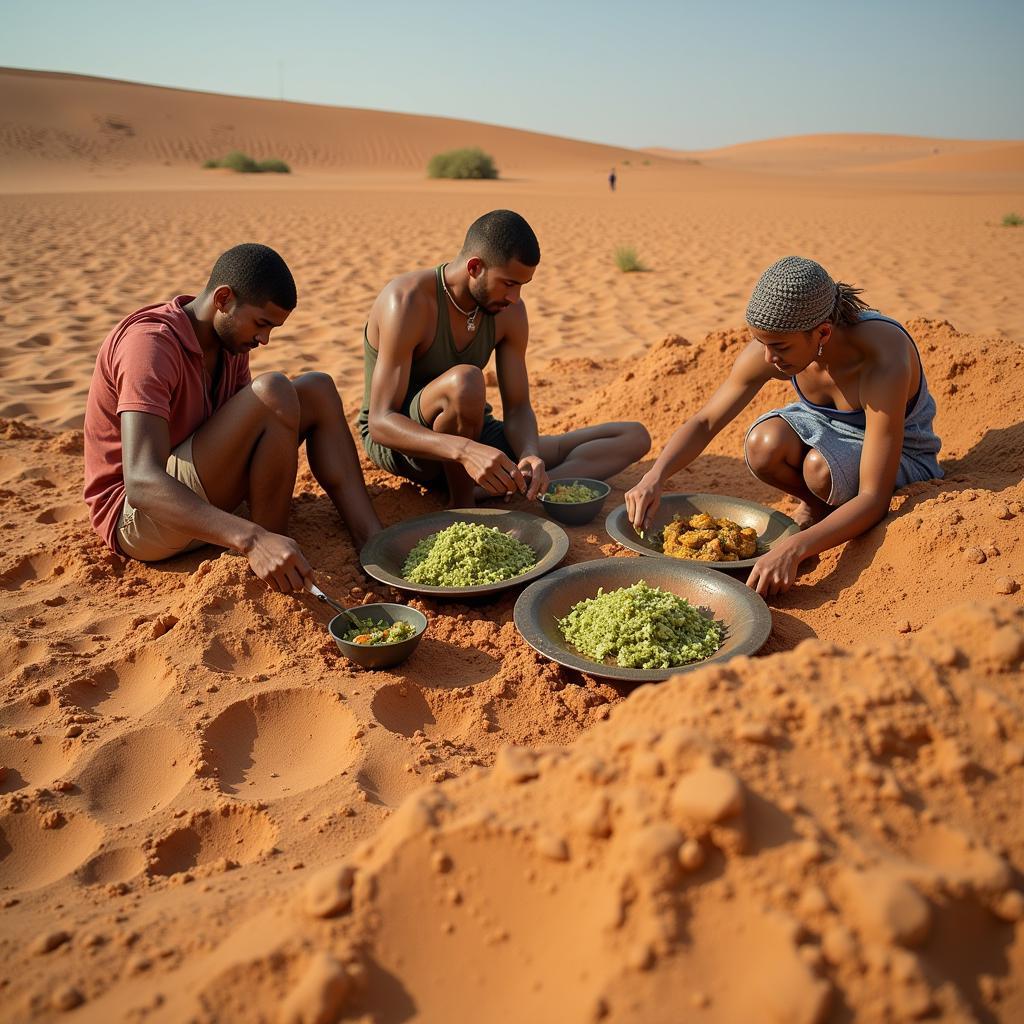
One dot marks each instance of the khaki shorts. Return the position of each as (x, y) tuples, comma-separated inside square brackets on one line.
[(142, 537)]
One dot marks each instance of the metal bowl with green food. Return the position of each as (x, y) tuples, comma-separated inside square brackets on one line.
[(368, 644), (574, 512)]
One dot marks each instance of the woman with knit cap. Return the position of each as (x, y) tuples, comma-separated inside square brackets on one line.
[(860, 428)]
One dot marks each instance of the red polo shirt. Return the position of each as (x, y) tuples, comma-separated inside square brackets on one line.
[(150, 362)]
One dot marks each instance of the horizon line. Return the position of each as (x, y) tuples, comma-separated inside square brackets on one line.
[(504, 127)]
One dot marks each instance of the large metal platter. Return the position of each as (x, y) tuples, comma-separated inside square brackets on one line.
[(746, 617), (383, 556), (771, 526)]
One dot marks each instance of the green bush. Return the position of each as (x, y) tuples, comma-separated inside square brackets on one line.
[(462, 163), (627, 260), (1012, 220), (274, 166), (244, 164), (240, 162)]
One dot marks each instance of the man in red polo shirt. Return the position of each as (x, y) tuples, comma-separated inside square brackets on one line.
[(177, 434)]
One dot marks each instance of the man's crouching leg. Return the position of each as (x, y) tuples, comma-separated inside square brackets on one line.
[(454, 404), (596, 452), (332, 453), (248, 451)]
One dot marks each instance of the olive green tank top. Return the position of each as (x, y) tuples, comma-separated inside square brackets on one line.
[(439, 358)]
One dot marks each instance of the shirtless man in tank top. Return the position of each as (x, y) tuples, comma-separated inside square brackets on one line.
[(425, 415)]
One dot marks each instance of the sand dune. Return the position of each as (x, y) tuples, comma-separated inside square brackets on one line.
[(837, 153), (101, 126), (207, 814)]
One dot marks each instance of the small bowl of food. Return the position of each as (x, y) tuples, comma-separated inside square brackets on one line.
[(576, 501), (382, 635)]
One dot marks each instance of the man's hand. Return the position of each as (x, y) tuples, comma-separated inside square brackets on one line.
[(776, 570), (642, 502), (536, 474), (279, 562), (492, 469)]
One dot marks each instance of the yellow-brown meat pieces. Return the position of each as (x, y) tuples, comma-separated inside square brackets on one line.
[(706, 539)]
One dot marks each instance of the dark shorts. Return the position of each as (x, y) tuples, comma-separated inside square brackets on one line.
[(429, 471)]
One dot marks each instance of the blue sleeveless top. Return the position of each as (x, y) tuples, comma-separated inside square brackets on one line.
[(919, 436)]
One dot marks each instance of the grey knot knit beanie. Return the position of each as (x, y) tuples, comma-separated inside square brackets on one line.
[(793, 294)]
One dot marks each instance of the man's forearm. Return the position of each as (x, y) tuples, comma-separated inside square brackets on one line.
[(172, 504), (393, 430), (521, 431)]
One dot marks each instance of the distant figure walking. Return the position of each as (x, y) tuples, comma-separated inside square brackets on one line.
[(611, 179)]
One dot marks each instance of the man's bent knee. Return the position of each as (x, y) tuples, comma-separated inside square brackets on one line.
[(317, 388), (277, 394), (464, 397), (466, 388), (637, 439)]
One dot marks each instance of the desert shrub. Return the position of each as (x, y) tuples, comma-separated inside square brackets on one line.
[(1012, 220), (274, 166), (472, 162), (627, 260), (244, 164), (241, 162)]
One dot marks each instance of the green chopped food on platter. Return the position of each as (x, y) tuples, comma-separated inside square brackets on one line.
[(641, 627), (467, 555)]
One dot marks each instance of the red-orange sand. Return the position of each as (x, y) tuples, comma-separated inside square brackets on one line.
[(207, 814)]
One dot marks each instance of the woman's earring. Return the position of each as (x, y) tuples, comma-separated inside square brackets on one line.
[(821, 345)]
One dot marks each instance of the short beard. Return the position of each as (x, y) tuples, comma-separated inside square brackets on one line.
[(478, 290), (226, 334)]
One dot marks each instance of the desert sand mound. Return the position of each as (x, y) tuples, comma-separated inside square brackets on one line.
[(182, 747), (822, 834)]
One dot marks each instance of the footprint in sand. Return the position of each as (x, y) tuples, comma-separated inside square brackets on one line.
[(32, 855), (27, 569), (138, 773), (281, 743), (62, 514), (242, 656), (15, 656), (234, 833), (404, 707), (109, 866), (26, 763), (129, 687)]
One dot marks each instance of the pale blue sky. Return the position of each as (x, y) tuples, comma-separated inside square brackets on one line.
[(689, 75)]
